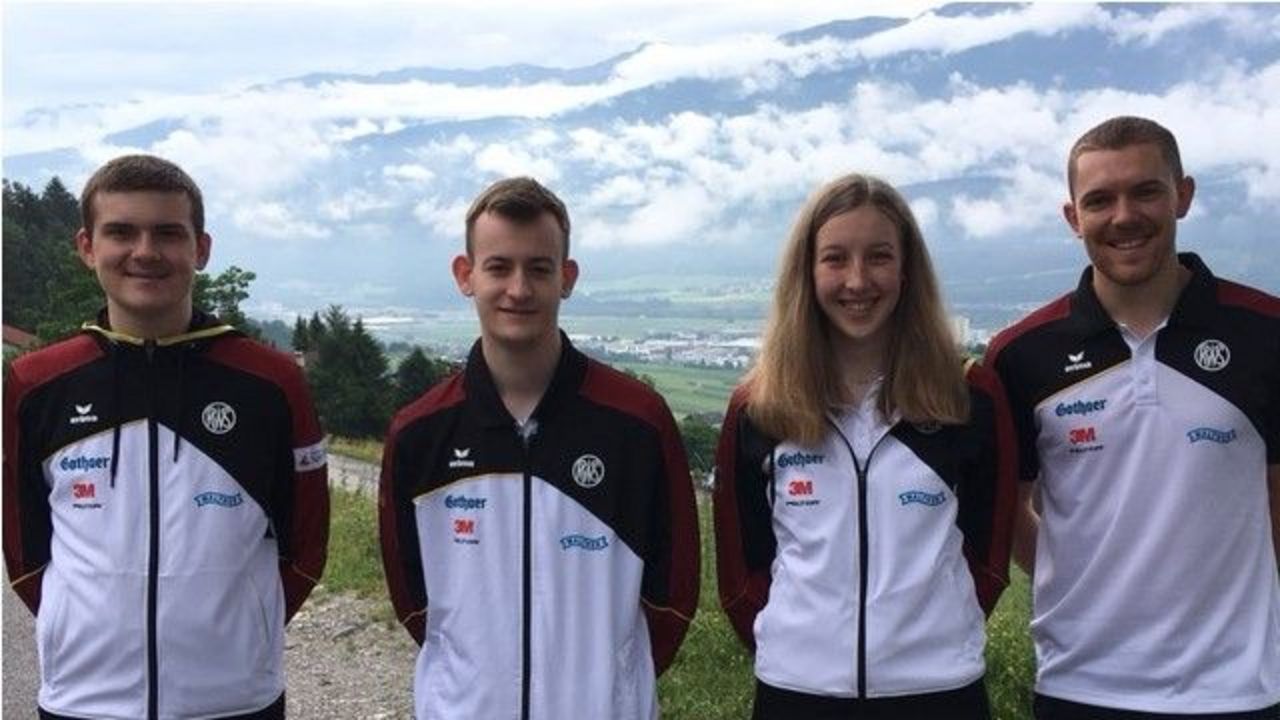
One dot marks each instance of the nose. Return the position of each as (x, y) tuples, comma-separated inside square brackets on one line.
[(147, 245), (520, 287), (1126, 211), (855, 276)]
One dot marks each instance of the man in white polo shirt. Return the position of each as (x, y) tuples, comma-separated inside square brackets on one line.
[(1147, 404)]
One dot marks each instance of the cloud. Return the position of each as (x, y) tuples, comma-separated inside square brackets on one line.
[(274, 220), (409, 173), (527, 158), (444, 219)]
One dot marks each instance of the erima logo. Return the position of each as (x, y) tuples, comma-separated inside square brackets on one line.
[(1212, 355), (82, 415), (1076, 362), (584, 542), (1079, 407), (462, 502), (799, 459), (81, 462), (218, 417), (217, 498), (460, 459), (1222, 437), (923, 498)]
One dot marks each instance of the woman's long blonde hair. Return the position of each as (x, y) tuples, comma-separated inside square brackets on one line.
[(795, 379)]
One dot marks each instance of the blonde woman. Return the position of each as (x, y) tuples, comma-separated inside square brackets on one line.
[(865, 479)]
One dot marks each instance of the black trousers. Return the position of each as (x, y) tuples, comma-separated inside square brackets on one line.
[(274, 711), (966, 703), (1051, 708)]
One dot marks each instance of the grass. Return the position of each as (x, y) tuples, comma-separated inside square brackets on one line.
[(360, 449), (712, 676), (689, 389)]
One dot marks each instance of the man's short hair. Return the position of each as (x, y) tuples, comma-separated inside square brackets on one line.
[(141, 173), (521, 200), (1121, 132)]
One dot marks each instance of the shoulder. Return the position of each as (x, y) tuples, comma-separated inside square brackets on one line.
[(612, 388), (1235, 295), (982, 379), (43, 365), (443, 395), (253, 357), (1039, 320)]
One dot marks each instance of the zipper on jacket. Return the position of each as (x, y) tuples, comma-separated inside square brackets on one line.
[(864, 550), (526, 650), (153, 559)]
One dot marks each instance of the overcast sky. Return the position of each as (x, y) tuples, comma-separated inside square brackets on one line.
[(58, 53)]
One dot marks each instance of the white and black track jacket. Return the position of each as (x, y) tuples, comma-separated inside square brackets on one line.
[(550, 574), (844, 564), (165, 512)]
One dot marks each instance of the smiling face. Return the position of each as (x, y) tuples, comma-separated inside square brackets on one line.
[(857, 277), (517, 275), (145, 252), (1125, 208)]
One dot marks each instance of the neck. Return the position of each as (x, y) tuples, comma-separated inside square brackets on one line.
[(149, 327), (858, 364), (1141, 308), (521, 374)]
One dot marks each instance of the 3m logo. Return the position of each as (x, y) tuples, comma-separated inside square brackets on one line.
[(800, 488), (1082, 435), (82, 490), (464, 526)]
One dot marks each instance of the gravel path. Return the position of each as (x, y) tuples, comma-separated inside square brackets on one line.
[(345, 657)]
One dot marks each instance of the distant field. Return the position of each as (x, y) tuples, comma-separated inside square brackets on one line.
[(689, 389)]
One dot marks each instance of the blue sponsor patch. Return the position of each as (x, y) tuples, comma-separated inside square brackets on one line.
[(1222, 437), (923, 498), (217, 498), (584, 542), (799, 459)]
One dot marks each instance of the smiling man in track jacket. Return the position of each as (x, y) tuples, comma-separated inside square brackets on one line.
[(538, 526), (165, 504)]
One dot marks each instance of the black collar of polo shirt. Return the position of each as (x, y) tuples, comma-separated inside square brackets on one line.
[(482, 392), (1194, 306)]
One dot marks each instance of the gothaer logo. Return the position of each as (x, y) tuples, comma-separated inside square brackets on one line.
[(588, 471), (799, 459), (1212, 355), (219, 499), (218, 417), (584, 542), (84, 462), (922, 497)]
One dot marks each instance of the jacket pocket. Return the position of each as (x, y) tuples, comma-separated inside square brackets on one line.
[(51, 629)]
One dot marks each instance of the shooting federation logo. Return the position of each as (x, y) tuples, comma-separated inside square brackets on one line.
[(1212, 355), (588, 471), (218, 417)]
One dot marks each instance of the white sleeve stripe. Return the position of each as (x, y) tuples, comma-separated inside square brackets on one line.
[(310, 457)]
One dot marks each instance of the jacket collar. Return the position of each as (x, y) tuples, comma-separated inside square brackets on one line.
[(482, 394), (203, 325), (1195, 306)]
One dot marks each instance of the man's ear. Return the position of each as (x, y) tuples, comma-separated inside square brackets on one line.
[(1069, 213), (568, 277), (1186, 188), (204, 244), (84, 248), (462, 268)]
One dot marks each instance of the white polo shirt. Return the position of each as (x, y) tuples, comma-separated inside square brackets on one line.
[(1156, 586)]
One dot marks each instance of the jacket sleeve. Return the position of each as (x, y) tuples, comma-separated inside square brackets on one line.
[(989, 494), (303, 556), (745, 544), (398, 533), (28, 527), (672, 572)]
